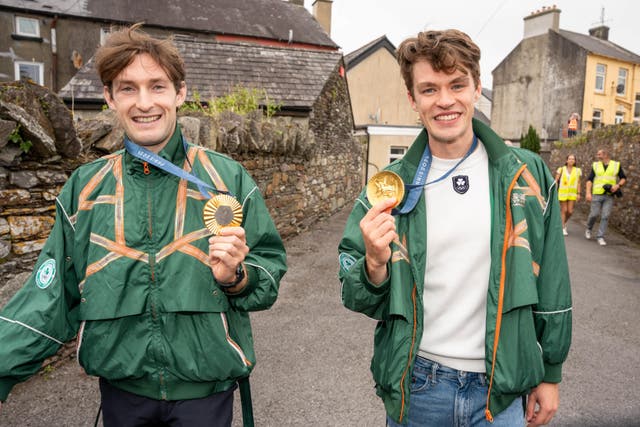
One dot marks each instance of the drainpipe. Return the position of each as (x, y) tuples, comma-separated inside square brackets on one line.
[(54, 55)]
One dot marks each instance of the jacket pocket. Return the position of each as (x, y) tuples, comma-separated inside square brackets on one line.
[(519, 360), (392, 345)]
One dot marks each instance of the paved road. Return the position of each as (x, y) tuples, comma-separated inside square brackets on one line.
[(313, 355)]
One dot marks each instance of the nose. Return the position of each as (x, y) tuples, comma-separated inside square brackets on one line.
[(445, 98), (144, 100)]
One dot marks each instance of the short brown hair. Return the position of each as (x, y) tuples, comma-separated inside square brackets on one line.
[(124, 45), (447, 51)]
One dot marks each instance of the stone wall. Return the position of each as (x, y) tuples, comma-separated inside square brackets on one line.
[(623, 145), (307, 168)]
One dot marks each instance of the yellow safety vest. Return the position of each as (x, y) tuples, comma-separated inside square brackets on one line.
[(603, 176), (568, 188)]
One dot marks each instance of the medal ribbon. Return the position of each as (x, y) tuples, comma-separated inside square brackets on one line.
[(149, 156), (420, 178)]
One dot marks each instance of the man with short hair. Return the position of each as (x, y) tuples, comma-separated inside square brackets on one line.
[(603, 184), (468, 275), (159, 305)]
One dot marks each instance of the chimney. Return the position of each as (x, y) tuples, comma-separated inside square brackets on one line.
[(601, 32), (298, 2), (541, 21), (322, 13)]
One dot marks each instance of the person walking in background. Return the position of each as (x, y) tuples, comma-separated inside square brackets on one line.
[(572, 125), (603, 184), (467, 276), (568, 179), (160, 306)]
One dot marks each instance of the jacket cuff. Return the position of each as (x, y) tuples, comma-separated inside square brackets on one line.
[(552, 373), (6, 384), (252, 282), (374, 289)]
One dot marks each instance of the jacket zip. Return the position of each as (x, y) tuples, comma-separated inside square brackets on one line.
[(413, 341), (505, 247), (154, 311)]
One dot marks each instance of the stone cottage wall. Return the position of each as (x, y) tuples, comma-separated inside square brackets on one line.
[(305, 169), (623, 144)]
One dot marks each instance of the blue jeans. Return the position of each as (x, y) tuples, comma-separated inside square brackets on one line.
[(445, 397), (601, 204)]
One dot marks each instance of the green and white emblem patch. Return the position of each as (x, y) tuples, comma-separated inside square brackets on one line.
[(346, 261), (46, 273)]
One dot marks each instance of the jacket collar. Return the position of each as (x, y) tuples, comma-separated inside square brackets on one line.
[(173, 151), (495, 146)]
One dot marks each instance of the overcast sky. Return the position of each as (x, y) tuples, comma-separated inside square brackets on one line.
[(495, 25)]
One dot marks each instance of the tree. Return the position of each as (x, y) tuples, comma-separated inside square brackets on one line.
[(531, 140)]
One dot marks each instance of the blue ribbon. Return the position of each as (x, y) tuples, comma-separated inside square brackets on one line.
[(149, 156), (421, 177)]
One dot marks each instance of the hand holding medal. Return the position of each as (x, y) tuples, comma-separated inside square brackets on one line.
[(222, 211), (385, 185)]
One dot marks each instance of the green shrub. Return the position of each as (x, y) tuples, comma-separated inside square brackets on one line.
[(531, 141), (239, 100)]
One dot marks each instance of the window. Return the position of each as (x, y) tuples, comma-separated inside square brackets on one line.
[(596, 121), (29, 27), (30, 70), (396, 153), (636, 109), (619, 117), (104, 33), (621, 88), (601, 74)]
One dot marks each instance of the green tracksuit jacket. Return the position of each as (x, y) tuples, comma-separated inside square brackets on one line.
[(529, 298), (126, 269)]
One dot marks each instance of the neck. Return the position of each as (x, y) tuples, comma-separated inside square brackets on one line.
[(155, 148), (451, 150)]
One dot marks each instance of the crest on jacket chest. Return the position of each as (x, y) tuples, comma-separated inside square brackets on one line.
[(460, 183)]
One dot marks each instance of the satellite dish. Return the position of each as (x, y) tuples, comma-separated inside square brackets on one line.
[(620, 89)]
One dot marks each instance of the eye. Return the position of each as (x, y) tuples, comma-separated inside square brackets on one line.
[(159, 87), (428, 91)]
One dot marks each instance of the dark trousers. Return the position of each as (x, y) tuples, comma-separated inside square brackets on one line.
[(124, 409)]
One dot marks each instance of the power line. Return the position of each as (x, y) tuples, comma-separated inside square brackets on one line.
[(490, 18)]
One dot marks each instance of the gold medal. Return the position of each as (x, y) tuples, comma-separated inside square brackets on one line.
[(222, 211), (385, 185)]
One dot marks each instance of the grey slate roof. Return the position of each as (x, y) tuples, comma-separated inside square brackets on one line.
[(477, 114), (358, 55), (271, 19), (293, 78), (488, 93), (600, 47)]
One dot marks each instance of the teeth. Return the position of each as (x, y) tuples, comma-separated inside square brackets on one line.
[(146, 119), (447, 117)]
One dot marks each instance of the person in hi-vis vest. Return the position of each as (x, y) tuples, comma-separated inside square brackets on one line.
[(604, 182), (568, 179), (572, 125)]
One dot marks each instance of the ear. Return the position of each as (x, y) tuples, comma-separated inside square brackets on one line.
[(181, 96), (412, 101), (477, 93), (107, 97)]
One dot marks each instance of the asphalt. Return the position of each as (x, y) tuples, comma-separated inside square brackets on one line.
[(313, 354)]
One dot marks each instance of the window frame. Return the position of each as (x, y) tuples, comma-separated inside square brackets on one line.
[(636, 107), (19, 32), (593, 118), (619, 118), (601, 75), (624, 84), (396, 156), (40, 70)]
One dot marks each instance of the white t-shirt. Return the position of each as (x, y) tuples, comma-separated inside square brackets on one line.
[(458, 262)]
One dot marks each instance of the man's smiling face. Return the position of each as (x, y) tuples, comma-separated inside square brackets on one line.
[(445, 103), (146, 101)]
